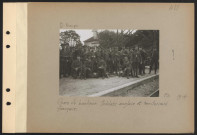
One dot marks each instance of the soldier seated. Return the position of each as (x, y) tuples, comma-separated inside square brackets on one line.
[(120, 72)]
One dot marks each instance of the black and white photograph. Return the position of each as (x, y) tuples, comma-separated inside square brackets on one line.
[(109, 62)]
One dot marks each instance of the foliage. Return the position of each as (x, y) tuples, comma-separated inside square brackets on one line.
[(128, 38), (107, 38), (70, 37)]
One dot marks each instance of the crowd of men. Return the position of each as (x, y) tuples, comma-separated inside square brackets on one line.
[(86, 62)]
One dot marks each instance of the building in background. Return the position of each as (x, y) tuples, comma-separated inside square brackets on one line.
[(92, 41)]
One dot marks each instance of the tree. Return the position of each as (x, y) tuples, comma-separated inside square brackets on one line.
[(129, 38), (70, 37), (107, 38)]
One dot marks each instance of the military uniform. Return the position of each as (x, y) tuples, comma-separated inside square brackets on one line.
[(130, 55), (135, 64), (67, 60), (102, 68), (77, 66), (142, 62), (114, 61), (86, 69), (94, 63), (154, 61), (63, 61), (127, 68)]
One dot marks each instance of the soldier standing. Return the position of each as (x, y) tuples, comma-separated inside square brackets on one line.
[(77, 66), (63, 60), (110, 60), (131, 60), (142, 61), (87, 68), (67, 59), (94, 63), (102, 67), (154, 60), (127, 67), (136, 60)]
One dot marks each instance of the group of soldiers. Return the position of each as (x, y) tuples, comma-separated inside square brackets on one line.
[(86, 62)]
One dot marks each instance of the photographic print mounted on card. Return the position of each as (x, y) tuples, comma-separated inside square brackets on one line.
[(109, 62)]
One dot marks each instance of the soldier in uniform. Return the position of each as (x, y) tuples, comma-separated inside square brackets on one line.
[(110, 54), (94, 63), (67, 54), (130, 55), (107, 60), (142, 61), (136, 60), (114, 60), (127, 67), (63, 60), (102, 67), (86, 68), (76, 67), (154, 60)]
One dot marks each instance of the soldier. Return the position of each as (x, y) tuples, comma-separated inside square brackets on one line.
[(94, 63), (110, 60), (154, 60), (130, 55), (120, 63), (142, 61), (107, 60), (76, 67), (136, 60), (127, 67), (67, 60), (63, 60), (102, 68), (114, 59), (87, 68)]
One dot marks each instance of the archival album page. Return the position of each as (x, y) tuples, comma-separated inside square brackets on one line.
[(104, 68)]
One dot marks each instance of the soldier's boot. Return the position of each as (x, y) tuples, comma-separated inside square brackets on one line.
[(84, 75), (150, 69), (155, 68), (128, 73), (131, 73), (107, 75), (75, 74), (127, 76), (102, 74), (137, 73), (155, 71), (144, 71), (80, 76)]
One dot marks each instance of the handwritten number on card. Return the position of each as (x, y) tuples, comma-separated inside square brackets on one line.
[(181, 97), (174, 7), (173, 53), (166, 95)]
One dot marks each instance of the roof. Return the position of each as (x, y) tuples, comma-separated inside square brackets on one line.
[(90, 39)]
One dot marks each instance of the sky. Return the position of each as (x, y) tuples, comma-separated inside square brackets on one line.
[(85, 34)]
